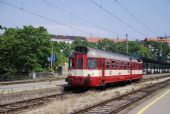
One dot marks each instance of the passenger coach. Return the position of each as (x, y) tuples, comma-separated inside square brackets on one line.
[(92, 67)]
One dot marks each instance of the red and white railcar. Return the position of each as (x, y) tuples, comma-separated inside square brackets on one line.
[(92, 67)]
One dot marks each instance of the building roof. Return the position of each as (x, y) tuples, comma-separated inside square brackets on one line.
[(167, 40), (67, 37), (115, 40), (97, 39), (93, 39), (88, 39)]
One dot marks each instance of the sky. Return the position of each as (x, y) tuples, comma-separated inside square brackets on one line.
[(91, 18)]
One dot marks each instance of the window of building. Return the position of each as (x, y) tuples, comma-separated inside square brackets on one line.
[(92, 63)]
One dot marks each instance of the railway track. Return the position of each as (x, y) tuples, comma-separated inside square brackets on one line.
[(115, 105), (32, 103), (20, 106)]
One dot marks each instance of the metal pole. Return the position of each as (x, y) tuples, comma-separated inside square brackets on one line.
[(161, 47), (162, 42), (51, 55), (126, 43)]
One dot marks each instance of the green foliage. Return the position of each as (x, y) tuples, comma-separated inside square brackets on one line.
[(156, 49), (92, 45), (145, 52), (106, 45), (79, 42), (24, 49)]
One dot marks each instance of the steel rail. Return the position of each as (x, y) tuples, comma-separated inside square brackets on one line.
[(115, 105)]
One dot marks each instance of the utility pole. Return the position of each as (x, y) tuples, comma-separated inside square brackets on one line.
[(126, 43), (161, 43)]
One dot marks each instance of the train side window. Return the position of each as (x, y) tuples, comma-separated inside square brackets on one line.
[(125, 66), (108, 64), (92, 63), (117, 65), (122, 65), (71, 65), (128, 66), (102, 63), (113, 64)]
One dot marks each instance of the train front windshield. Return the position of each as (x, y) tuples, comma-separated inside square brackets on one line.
[(78, 64)]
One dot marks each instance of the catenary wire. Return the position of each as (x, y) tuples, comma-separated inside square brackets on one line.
[(117, 18), (135, 17), (43, 17), (76, 16)]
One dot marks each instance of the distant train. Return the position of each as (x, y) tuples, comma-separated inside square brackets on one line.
[(90, 67)]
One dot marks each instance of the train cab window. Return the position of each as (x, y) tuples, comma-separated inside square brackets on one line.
[(113, 64), (108, 64), (71, 63), (79, 63), (92, 63)]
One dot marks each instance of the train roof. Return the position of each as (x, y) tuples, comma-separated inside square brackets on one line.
[(96, 53)]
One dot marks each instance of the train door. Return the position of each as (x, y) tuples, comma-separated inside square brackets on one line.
[(131, 69), (80, 64), (103, 70)]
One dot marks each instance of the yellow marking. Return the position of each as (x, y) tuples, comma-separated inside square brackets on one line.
[(153, 102)]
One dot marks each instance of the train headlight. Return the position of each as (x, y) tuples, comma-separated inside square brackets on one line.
[(88, 75)]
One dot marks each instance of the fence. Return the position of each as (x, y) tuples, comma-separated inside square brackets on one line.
[(12, 77)]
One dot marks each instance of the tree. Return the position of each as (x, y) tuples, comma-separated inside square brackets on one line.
[(25, 49), (156, 49), (106, 45), (134, 49), (79, 42), (145, 52)]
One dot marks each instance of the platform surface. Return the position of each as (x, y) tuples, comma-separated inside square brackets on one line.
[(158, 104), (30, 86)]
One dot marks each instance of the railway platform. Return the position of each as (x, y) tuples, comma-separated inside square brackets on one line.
[(159, 104), (30, 86)]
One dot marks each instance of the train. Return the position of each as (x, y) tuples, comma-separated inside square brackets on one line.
[(89, 67)]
